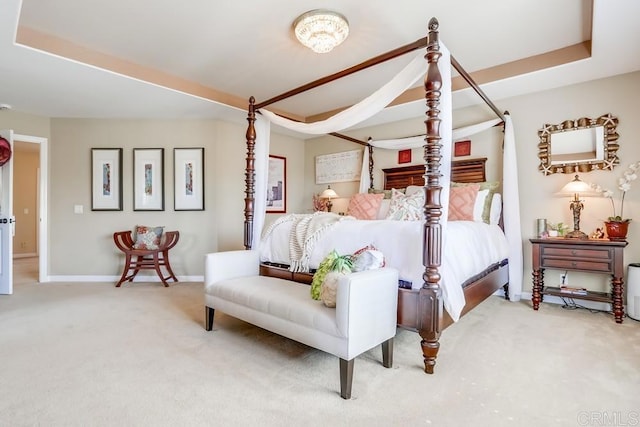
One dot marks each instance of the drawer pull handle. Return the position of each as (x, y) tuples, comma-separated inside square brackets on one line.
[(574, 264), (573, 252)]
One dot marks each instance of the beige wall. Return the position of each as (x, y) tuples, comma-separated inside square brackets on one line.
[(82, 244), (617, 95)]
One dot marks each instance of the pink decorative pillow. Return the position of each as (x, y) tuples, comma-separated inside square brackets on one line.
[(364, 206), (461, 202)]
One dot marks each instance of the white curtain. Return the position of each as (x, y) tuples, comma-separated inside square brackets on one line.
[(369, 107), (357, 113), (364, 109), (511, 210)]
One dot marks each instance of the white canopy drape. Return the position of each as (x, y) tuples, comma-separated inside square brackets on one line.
[(369, 107)]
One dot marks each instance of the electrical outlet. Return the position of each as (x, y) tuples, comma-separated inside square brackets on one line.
[(564, 278)]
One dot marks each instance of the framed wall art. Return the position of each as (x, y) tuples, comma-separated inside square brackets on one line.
[(339, 167), (404, 156), (106, 179), (148, 179), (188, 179), (462, 148), (277, 185)]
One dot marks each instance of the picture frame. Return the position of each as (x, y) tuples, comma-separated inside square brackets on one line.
[(188, 179), (404, 156), (148, 179), (462, 148), (277, 185), (106, 179)]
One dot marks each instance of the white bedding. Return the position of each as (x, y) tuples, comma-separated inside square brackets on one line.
[(470, 247)]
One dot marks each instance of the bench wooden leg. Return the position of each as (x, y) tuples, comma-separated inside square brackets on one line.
[(208, 315), (387, 353), (346, 378)]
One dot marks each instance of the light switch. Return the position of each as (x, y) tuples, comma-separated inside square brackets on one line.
[(78, 209)]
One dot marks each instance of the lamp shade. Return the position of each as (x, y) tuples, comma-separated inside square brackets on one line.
[(329, 193), (577, 186)]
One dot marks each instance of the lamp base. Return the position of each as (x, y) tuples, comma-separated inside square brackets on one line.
[(329, 205), (576, 234)]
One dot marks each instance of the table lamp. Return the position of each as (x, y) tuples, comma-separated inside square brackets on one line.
[(329, 194), (577, 188)]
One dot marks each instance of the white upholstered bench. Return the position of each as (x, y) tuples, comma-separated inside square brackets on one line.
[(364, 316)]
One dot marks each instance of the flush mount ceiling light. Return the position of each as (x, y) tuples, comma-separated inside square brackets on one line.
[(321, 30)]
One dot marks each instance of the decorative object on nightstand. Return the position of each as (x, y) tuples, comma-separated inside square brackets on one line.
[(329, 194), (577, 188), (617, 225)]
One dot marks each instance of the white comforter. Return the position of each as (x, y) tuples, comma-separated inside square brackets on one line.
[(470, 247)]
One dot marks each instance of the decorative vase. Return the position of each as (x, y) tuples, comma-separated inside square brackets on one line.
[(617, 230)]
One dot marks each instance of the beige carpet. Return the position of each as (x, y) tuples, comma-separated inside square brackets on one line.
[(94, 355)]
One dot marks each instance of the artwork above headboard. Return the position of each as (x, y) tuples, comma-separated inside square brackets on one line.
[(471, 170)]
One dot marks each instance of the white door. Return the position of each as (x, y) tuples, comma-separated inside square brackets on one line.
[(7, 220)]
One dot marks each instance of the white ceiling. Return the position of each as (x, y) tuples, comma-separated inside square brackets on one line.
[(245, 48)]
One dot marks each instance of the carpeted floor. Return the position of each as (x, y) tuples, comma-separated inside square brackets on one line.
[(77, 354)]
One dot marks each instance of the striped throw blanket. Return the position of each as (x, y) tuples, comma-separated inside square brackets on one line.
[(306, 230)]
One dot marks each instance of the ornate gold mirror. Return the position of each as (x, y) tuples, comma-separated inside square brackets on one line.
[(580, 145)]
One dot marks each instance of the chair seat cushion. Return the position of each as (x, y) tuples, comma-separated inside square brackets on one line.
[(280, 298)]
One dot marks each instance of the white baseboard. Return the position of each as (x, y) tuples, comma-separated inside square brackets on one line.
[(139, 278)]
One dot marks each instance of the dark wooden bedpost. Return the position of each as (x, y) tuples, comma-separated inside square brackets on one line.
[(250, 175), (430, 295), (370, 166)]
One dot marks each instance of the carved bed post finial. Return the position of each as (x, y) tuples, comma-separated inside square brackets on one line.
[(430, 295), (250, 175), (370, 165)]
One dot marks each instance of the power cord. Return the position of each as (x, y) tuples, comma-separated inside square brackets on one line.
[(570, 304)]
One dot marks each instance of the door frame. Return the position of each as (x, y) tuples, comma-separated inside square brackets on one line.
[(43, 223)]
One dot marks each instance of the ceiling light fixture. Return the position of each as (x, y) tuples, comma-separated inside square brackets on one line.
[(321, 30)]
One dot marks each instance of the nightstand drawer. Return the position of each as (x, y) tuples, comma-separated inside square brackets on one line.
[(576, 253), (567, 264)]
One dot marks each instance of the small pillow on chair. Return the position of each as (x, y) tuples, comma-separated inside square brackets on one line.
[(147, 237)]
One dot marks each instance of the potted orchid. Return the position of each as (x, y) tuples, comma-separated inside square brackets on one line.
[(617, 224)]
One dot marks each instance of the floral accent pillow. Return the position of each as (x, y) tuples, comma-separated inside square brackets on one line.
[(461, 202), (364, 206), (367, 258), (147, 237), (406, 208)]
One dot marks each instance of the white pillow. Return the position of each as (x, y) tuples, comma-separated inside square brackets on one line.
[(384, 209), (496, 209), (411, 189)]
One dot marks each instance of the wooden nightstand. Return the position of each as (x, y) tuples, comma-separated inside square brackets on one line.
[(591, 256)]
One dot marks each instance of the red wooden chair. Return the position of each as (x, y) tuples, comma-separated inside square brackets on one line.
[(146, 259)]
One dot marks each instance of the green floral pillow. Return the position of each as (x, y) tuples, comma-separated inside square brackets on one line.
[(321, 272)]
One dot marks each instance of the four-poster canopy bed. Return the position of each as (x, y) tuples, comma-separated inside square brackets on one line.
[(421, 308)]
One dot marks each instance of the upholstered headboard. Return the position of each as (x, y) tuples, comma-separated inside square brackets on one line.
[(471, 170)]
